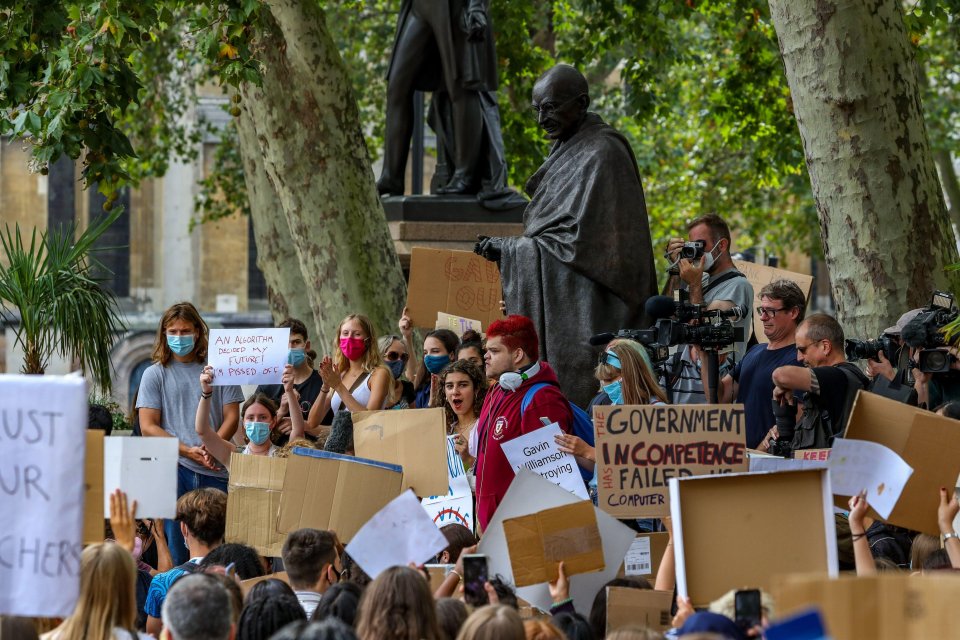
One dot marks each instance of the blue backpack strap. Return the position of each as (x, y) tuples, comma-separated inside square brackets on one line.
[(528, 396)]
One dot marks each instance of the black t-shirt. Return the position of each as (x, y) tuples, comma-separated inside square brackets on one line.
[(833, 385), (309, 389)]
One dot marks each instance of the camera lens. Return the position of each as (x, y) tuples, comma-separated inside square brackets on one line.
[(936, 360)]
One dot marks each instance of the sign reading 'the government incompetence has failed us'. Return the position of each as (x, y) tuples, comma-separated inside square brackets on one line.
[(639, 448)]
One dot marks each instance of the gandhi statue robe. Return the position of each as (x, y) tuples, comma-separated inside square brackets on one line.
[(584, 264)]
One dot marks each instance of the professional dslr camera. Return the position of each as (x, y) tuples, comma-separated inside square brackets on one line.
[(925, 332), (868, 349)]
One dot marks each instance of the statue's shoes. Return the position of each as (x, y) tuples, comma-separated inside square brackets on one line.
[(389, 188), (459, 184)]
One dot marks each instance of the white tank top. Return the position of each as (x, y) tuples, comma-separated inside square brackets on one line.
[(361, 394)]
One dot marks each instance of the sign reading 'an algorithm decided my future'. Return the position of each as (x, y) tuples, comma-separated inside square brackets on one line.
[(248, 356), (640, 448)]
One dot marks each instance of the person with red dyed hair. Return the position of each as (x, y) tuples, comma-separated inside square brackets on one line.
[(512, 359)]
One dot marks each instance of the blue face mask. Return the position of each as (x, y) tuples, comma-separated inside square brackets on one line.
[(614, 391), (180, 345), (435, 364), (396, 368), (258, 432), (296, 357)]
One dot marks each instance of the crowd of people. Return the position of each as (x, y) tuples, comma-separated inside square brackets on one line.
[(178, 579)]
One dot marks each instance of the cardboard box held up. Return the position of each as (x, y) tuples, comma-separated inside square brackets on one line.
[(644, 607), (927, 442), (883, 607), (761, 275), (415, 439), (93, 515), (537, 543), (253, 502), (331, 491), (729, 531), (460, 283)]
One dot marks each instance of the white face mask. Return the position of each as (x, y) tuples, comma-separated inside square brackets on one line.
[(709, 258)]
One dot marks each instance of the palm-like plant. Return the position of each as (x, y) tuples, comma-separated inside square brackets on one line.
[(63, 309)]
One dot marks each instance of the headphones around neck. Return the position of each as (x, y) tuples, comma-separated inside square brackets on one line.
[(511, 380)]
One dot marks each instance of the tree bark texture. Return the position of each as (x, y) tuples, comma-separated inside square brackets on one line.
[(951, 185), (324, 216), (856, 96)]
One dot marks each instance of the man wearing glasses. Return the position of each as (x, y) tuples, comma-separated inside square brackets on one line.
[(828, 382), (781, 310)]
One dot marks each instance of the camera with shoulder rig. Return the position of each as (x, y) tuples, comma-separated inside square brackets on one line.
[(714, 328), (926, 333), (647, 337)]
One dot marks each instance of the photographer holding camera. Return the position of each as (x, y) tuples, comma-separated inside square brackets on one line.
[(887, 362), (711, 279), (782, 306), (932, 358), (828, 382)]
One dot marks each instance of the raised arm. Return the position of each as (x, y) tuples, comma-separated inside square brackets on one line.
[(863, 557), (412, 370), (297, 425), (321, 405), (215, 445), (667, 572), (945, 516)]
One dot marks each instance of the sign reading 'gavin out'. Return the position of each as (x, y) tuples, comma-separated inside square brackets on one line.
[(640, 448)]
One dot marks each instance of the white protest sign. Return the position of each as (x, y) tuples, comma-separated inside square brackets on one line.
[(146, 470), (397, 535), (638, 562), (776, 463), (43, 422), (455, 506), (860, 465), (248, 356), (538, 452)]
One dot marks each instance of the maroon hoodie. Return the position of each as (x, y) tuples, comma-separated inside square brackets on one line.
[(500, 421)]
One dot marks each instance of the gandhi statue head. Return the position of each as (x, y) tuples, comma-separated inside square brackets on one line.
[(560, 100)]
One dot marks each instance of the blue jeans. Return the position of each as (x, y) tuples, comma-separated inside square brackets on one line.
[(187, 480)]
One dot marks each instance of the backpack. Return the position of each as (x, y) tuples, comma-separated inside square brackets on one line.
[(816, 430), (582, 424)]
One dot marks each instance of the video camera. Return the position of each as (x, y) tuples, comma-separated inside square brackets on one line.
[(647, 337), (714, 331), (926, 333)]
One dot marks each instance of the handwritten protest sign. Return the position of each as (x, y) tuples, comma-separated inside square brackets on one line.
[(248, 356), (460, 283), (456, 505), (760, 276), (43, 420), (457, 324), (538, 452), (640, 448)]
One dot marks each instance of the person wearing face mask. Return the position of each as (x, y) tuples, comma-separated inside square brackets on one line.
[(393, 350), (439, 350), (260, 418), (714, 281), (626, 377), (306, 381), (167, 405), (355, 379)]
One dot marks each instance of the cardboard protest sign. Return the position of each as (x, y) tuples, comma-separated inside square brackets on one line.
[(811, 454), (457, 324), (538, 452), (456, 505), (415, 439), (93, 513), (330, 491), (858, 465), (887, 606), (748, 548), (645, 554), (539, 542), (398, 534), (929, 443), (42, 442), (529, 494), (146, 470), (460, 283), (248, 356), (640, 448), (644, 607), (253, 502), (760, 276)]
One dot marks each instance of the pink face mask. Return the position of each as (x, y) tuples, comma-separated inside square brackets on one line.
[(353, 348), (137, 548)]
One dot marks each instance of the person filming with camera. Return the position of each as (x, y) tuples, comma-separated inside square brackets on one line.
[(933, 357), (710, 278), (828, 384)]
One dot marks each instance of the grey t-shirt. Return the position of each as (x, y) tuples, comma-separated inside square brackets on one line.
[(175, 391), (688, 387)]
